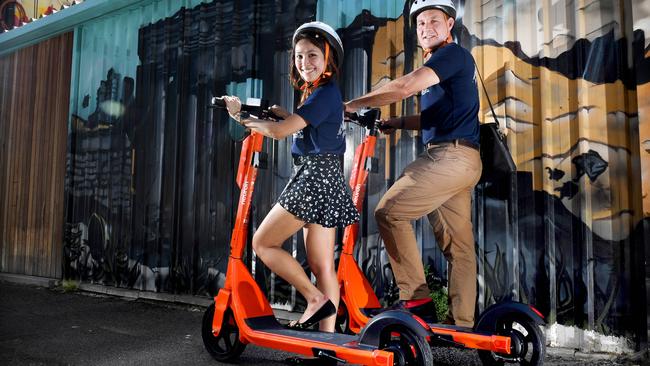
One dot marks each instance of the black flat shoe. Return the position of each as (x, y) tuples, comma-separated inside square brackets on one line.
[(328, 309)]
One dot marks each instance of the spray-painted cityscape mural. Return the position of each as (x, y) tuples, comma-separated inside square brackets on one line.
[(150, 187)]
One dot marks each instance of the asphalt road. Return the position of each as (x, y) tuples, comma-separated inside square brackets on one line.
[(40, 326), (48, 327)]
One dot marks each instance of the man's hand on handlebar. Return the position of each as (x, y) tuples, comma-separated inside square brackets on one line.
[(388, 126), (349, 109)]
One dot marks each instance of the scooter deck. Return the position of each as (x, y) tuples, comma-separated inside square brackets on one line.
[(454, 335), (268, 332), (269, 324), (444, 334)]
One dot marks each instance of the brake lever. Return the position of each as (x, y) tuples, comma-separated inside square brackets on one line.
[(267, 114)]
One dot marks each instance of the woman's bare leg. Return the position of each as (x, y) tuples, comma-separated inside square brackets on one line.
[(278, 226), (319, 245)]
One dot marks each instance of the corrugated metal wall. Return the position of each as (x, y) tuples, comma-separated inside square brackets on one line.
[(34, 94), (151, 193)]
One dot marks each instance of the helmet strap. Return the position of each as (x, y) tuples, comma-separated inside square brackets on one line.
[(308, 87), (426, 52)]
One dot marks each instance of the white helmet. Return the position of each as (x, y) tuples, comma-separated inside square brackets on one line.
[(447, 6), (328, 32)]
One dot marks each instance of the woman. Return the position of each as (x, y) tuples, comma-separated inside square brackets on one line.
[(316, 198)]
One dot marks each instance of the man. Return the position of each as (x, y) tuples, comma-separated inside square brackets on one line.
[(440, 181)]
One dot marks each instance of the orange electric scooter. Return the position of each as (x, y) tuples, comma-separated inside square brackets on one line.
[(241, 313), (503, 333)]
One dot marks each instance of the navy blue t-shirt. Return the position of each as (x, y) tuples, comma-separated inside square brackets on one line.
[(325, 131), (450, 108)]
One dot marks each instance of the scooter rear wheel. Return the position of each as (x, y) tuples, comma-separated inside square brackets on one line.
[(528, 343), (408, 348), (226, 347)]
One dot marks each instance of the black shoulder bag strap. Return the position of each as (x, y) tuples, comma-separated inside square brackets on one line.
[(495, 156), (480, 77)]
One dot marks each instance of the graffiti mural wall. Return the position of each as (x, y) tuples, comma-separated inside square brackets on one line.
[(568, 92), (150, 187)]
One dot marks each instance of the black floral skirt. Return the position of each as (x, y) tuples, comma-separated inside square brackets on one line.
[(317, 193)]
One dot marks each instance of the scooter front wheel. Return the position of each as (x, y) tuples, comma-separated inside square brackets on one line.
[(407, 347), (226, 347), (527, 343)]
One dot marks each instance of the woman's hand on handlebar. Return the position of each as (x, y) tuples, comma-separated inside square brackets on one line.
[(279, 111), (233, 105)]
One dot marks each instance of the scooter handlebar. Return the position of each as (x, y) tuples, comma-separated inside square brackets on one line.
[(370, 118), (260, 111)]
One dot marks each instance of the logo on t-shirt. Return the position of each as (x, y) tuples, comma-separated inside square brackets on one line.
[(341, 131), (298, 134), (424, 91)]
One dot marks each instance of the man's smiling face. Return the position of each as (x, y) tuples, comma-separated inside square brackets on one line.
[(433, 28)]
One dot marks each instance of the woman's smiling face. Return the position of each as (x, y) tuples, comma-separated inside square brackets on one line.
[(309, 60)]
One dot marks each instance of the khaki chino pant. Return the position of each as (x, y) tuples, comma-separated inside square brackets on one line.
[(438, 184)]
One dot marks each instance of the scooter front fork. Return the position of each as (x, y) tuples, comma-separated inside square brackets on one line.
[(221, 304)]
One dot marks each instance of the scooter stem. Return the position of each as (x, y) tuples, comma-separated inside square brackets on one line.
[(246, 175)]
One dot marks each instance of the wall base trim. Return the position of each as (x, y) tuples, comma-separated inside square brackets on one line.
[(579, 340)]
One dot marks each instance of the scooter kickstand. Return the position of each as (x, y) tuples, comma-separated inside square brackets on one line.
[(321, 353)]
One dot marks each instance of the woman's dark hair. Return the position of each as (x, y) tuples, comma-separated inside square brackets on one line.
[(319, 41)]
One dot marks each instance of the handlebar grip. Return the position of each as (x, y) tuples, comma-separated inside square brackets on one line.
[(217, 102), (383, 127), (353, 116)]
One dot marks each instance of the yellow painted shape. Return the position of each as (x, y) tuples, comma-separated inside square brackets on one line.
[(643, 92), (388, 59)]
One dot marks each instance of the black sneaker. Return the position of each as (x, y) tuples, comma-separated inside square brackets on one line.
[(425, 310)]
